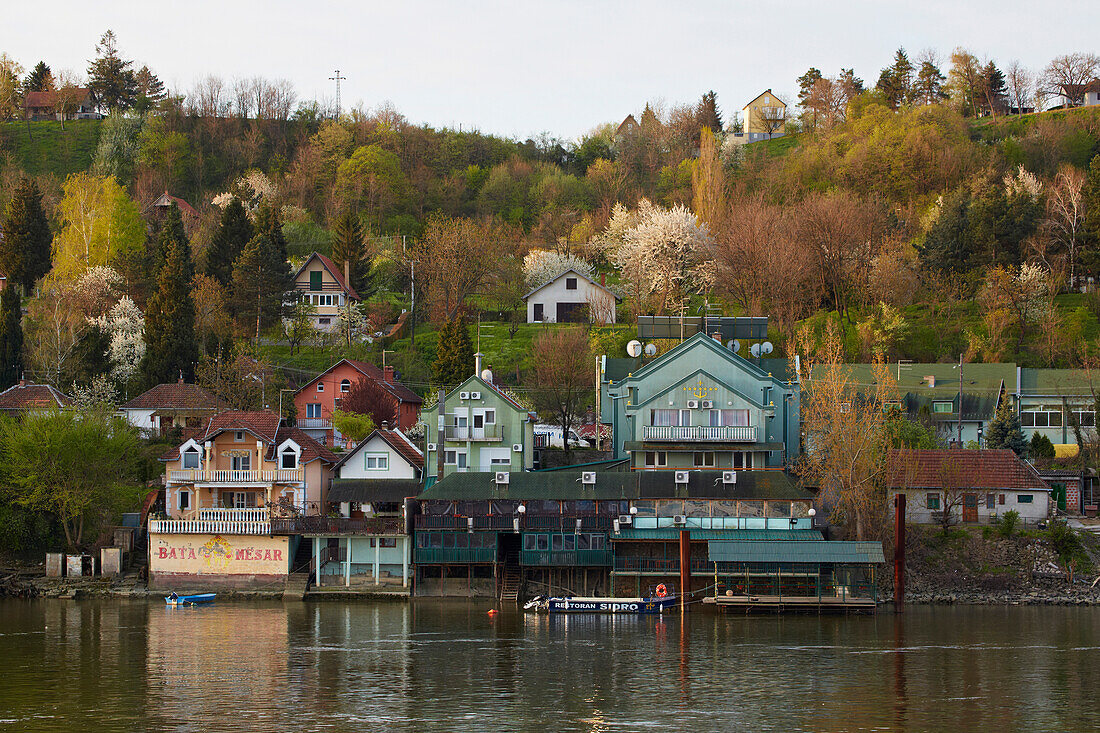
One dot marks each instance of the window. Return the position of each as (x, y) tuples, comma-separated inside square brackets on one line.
[(320, 386), (729, 417), (190, 458), (288, 458), (537, 315), (1024, 498), (239, 436), (1001, 499), (324, 299), (490, 417), (1085, 418), (1042, 416), (557, 543), (377, 461), (315, 280), (241, 463), (185, 500), (390, 541), (704, 460), (671, 417), (241, 499), (345, 385), (738, 459), (933, 502), (990, 501), (656, 458), (543, 542), (313, 410), (943, 407), (570, 283), (323, 321), (455, 458), (504, 459)]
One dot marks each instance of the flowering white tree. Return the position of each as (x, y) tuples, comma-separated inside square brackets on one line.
[(251, 188), (540, 266), (101, 392), (124, 325)]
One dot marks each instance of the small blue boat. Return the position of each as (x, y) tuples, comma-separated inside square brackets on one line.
[(542, 604), (177, 600)]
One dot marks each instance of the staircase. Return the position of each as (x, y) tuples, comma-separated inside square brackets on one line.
[(511, 578)]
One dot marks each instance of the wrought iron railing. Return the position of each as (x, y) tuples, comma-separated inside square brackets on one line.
[(493, 521), (436, 556), (700, 433), (314, 423), (339, 525)]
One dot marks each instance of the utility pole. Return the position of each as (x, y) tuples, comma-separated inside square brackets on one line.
[(960, 400), (337, 79), (412, 305)]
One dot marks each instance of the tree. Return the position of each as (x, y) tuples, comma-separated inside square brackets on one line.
[(83, 467), (1068, 75), (67, 95), (454, 359), (1067, 215), (124, 328), (100, 223), (928, 88), (39, 80), (236, 376), (806, 84), (352, 426), (563, 377), (707, 112), (169, 237), (25, 237), (11, 338), (298, 328), (261, 275), (212, 323), (1004, 431), (11, 88), (851, 85), (233, 233), (110, 77), (170, 322), (1041, 447), (348, 247), (149, 89), (708, 182), (993, 90), (367, 398), (896, 80), (963, 80), (1021, 87)]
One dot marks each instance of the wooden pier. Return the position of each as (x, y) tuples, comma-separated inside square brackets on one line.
[(793, 603)]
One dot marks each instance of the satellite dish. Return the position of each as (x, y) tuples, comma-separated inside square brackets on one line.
[(755, 350), (650, 349), (487, 375), (766, 347), (733, 345), (634, 348)]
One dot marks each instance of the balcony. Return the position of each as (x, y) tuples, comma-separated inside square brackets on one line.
[(489, 433), (315, 423), (700, 433), (570, 558), (339, 525), (235, 478), (216, 521), (446, 521), (437, 556)]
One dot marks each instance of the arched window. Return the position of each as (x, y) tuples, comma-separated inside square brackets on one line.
[(345, 385), (288, 458), (191, 457)]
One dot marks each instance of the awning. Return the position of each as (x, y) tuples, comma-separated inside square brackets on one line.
[(368, 490), (700, 535), (793, 551)]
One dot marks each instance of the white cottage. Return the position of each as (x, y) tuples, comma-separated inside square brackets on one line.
[(571, 297)]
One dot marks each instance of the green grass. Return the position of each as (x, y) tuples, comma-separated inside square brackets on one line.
[(44, 148), (776, 147)]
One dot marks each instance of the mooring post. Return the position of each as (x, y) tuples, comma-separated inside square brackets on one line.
[(899, 552), (685, 568)]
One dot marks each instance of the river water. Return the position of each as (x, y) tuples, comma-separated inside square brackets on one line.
[(435, 665)]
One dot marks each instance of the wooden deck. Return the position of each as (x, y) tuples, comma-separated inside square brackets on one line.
[(793, 603)]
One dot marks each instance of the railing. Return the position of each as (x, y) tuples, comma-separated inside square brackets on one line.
[(488, 433), (724, 433), (493, 521), (207, 526), (339, 525), (228, 476), (234, 515), (435, 556), (659, 565), (535, 523), (314, 423), (566, 557)]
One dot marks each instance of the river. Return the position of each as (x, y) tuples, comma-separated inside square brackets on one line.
[(115, 665)]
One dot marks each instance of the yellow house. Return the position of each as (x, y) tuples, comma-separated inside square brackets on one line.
[(764, 117), (320, 282)]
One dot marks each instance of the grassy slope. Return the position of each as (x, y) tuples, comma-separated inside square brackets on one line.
[(43, 147)]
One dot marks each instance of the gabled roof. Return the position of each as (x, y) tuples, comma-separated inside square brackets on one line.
[(1078, 89), (761, 94), (48, 98), (962, 469), (166, 199), (581, 275), (463, 387), (394, 439), (25, 396), (175, 396), (395, 388), (266, 426), (701, 338), (628, 124), (333, 270)]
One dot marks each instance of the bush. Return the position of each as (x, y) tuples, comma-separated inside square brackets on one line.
[(1041, 447), (1008, 523), (1067, 543)]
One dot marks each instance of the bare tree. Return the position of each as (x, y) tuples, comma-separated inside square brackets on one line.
[(1066, 215), (564, 378), (243, 98), (745, 243), (1069, 74), (1021, 86), (207, 97), (67, 95)]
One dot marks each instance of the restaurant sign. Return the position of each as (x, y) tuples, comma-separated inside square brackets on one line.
[(218, 554)]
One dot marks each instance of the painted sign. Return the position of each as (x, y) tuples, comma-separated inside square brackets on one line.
[(219, 555), (601, 605)]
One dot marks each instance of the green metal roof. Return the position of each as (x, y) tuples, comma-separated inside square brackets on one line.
[(794, 551), (981, 386), (371, 489), (708, 485), (1058, 382), (770, 535)]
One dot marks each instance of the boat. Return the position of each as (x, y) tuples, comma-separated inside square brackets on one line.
[(178, 600), (587, 604)]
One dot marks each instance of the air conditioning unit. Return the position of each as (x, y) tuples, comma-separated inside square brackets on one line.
[(680, 519), (517, 447), (681, 477), (707, 404), (501, 477), (693, 404), (729, 477), (588, 477), (463, 395), (475, 395), (431, 446), (626, 519)]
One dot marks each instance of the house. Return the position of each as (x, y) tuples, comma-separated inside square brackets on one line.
[(974, 486), (764, 117), (3, 277), (571, 297), (1052, 401), (78, 103), (25, 396), (372, 485), (700, 406), (628, 126), (319, 282), (315, 401), (166, 406), (482, 429), (236, 497), (1080, 95), (164, 202)]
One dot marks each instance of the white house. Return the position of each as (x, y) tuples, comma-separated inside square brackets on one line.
[(571, 298), (322, 284)]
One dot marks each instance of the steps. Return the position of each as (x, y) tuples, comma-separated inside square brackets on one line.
[(296, 586), (511, 578)]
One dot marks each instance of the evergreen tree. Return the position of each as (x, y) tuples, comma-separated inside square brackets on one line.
[(707, 113), (149, 88), (171, 348), (1090, 196), (806, 86), (896, 80), (454, 359), (234, 232), (261, 275), (1041, 447), (1004, 431), (39, 80), (11, 338), (850, 84), (347, 246), (928, 88), (90, 358), (25, 237), (170, 236), (110, 77), (947, 247), (994, 92)]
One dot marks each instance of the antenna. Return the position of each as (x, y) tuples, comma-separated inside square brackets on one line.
[(651, 349), (337, 79), (766, 347)]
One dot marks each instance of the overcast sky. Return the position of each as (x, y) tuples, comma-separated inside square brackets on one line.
[(519, 68)]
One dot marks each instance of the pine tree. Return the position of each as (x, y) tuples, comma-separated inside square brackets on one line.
[(993, 90), (171, 348), (454, 360), (110, 77), (929, 85), (261, 275), (1004, 431), (170, 236), (25, 241), (39, 80), (150, 89), (90, 359), (1090, 195), (234, 232), (707, 113), (11, 338), (347, 245)]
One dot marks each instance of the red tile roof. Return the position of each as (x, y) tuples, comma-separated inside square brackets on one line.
[(25, 396), (396, 440), (972, 469), (333, 270), (395, 388), (266, 426), (39, 100), (166, 199), (175, 396)]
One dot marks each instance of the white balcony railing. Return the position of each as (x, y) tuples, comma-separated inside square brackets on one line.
[(700, 433), (229, 476), (251, 514), (489, 433), (207, 526), (314, 423)]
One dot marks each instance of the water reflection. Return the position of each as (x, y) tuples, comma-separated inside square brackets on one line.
[(448, 666)]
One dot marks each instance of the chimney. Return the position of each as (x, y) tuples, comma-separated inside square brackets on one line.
[(385, 425), (717, 336), (603, 278), (930, 380), (387, 374), (477, 363)]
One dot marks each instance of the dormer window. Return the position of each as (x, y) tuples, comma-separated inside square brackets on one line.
[(190, 458), (345, 385), (288, 458)]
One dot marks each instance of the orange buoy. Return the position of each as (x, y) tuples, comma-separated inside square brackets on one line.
[(493, 612), (662, 591)]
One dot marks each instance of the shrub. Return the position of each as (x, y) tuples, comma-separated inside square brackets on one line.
[(1041, 447), (1008, 523)]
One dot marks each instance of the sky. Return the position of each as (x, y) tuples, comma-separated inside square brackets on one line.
[(522, 68)]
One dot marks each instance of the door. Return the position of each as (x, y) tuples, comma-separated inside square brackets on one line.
[(477, 425), (571, 312), (970, 507), (461, 423)]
